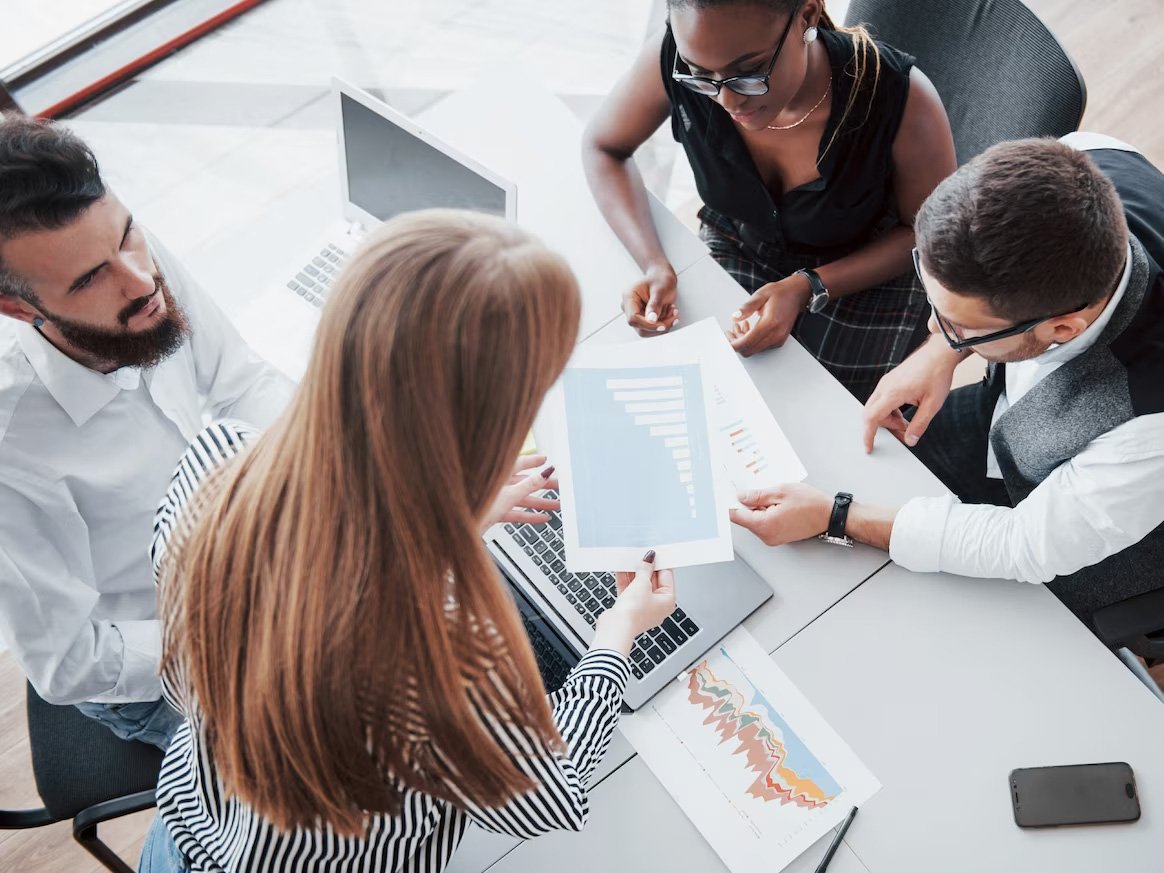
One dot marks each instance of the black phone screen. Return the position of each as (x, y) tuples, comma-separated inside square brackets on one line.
[(1076, 794)]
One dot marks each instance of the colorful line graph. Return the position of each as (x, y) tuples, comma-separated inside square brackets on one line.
[(787, 772), (752, 763)]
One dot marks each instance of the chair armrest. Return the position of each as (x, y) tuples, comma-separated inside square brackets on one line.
[(1136, 623), (110, 809), (17, 819)]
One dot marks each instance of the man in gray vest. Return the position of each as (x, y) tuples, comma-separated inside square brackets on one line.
[(1042, 257)]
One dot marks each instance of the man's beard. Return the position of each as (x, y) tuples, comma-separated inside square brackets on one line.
[(125, 348), (1028, 349)]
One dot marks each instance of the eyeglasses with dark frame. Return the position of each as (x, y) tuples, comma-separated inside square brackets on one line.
[(959, 344), (745, 86)]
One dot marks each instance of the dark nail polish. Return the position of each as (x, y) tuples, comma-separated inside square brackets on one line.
[(548, 472), (649, 557)]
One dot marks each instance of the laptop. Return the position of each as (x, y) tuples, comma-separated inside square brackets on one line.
[(388, 165), (559, 608)]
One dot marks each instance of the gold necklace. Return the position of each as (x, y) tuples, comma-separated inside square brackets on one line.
[(807, 114)]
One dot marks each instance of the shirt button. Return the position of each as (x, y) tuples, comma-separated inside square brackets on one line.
[(775, 213)]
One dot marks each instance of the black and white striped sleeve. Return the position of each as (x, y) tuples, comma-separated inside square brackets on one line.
[(218, 442), (585, 710)]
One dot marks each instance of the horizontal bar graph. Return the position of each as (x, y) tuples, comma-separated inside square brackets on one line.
[(641, 466), (666, 417)]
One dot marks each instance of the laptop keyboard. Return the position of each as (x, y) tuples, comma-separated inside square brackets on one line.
[(592, 593), (554, 668), (314, 281)]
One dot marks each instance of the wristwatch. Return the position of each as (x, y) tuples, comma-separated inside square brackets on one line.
[(820, 294), (836, 532)]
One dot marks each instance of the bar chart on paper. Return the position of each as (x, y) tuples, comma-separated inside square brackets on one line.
[(642, 470), (748, 461), (659, 405)]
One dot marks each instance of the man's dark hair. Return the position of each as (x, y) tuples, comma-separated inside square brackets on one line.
[(48, 177), (1031, 226)]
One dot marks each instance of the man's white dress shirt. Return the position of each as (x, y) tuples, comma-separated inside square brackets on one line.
[(85, 458)]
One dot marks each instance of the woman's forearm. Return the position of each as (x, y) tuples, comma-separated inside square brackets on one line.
[(885, 258), (622, 199)]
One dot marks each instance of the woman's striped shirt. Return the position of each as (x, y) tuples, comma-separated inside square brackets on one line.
[(219, 833)]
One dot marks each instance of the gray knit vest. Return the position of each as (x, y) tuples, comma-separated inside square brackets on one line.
[(1082, 400)]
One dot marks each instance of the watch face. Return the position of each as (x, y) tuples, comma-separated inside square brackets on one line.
[(818, 302)]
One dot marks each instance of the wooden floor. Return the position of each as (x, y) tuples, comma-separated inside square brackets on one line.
[(1115, 45)]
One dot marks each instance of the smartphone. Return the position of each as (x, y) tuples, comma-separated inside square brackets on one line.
[(1046, 797)]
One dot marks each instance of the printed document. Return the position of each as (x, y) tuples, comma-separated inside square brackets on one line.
[(757, 770), (636, 458)]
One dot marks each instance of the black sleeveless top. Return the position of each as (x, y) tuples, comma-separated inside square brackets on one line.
[(839, 211)]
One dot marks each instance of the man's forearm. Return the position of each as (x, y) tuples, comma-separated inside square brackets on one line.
[(871, 524)]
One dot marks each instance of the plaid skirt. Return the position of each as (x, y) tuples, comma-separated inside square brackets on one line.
[(858, 338)]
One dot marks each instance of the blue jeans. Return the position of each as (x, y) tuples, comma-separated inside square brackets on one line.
[(158, 853), (151, 721)]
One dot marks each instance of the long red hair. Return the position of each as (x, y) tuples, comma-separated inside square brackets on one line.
[(331, 612)]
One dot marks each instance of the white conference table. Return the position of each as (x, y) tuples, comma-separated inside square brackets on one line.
[(942, 685), (537, 145), (942, 755)]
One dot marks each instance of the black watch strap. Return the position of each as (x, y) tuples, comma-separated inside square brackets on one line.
[(840, 516), (820, 294)]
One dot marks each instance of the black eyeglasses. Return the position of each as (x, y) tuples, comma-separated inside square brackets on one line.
[(745, 86), (959, 344)]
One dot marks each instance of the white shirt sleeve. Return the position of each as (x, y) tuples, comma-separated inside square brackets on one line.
[(47, 600), (1105, 499), (233, 379)]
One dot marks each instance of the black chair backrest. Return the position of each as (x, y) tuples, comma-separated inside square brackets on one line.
[(1000, 72), (78, 762)]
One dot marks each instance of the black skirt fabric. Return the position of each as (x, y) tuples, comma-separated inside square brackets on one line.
[(858, 338)]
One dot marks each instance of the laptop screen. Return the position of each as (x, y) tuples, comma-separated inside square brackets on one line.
[(392, 171)]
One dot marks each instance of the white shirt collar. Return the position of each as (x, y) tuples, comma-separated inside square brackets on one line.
[(1065, 352), (80, 391)]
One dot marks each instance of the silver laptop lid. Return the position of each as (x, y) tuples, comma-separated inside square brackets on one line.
[(389, 164)]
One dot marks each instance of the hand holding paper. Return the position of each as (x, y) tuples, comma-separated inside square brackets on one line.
[(786, 514)]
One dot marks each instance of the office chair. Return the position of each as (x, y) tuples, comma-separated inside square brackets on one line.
[(1001, 74), (1135, 627), (85, 773)]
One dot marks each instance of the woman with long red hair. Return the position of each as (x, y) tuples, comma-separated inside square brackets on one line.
[(357, 683)]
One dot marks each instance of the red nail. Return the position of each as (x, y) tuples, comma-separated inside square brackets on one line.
[(649, 557), (548, 472)]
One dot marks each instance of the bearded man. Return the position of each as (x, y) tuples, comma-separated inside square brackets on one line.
[(110, 358)]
